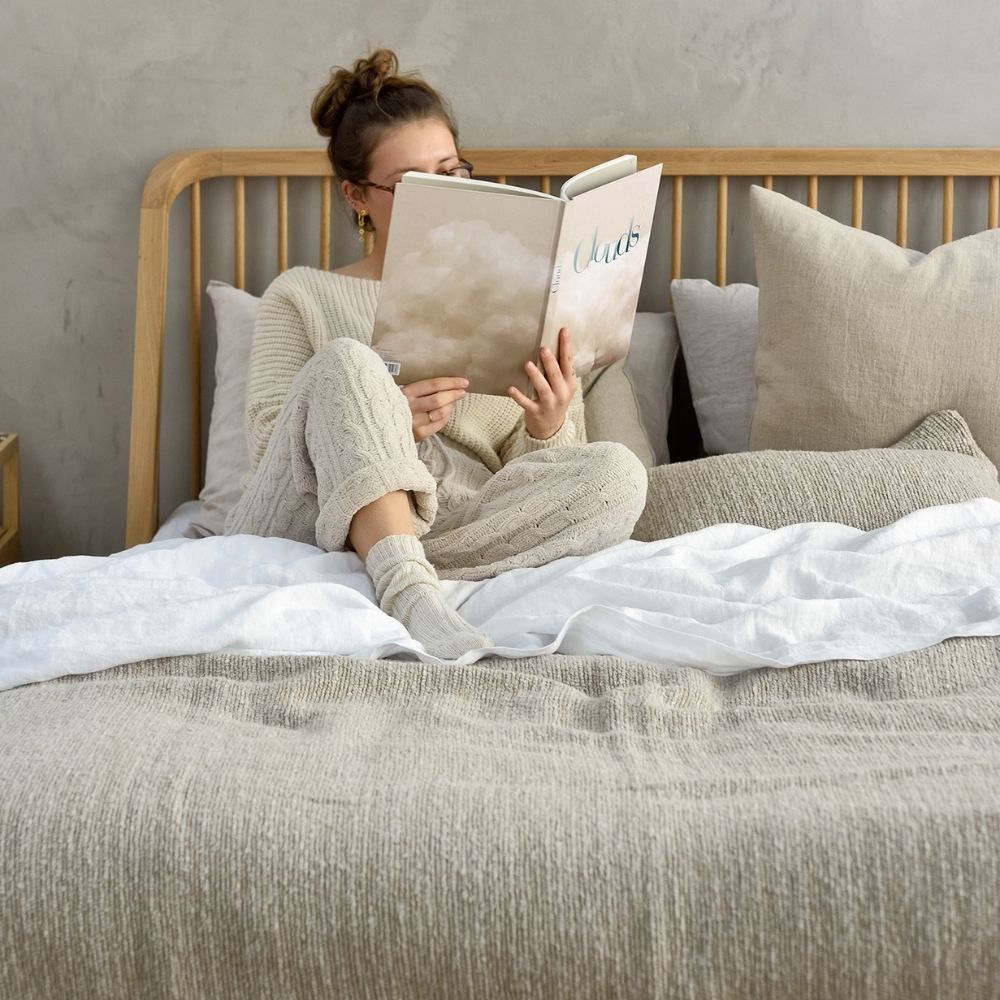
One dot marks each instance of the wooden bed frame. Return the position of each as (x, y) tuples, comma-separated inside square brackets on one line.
[(186, 172)]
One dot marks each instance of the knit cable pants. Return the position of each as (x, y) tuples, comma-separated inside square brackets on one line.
[(344, 438)]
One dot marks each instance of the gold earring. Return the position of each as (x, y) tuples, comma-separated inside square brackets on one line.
[(362, 215)]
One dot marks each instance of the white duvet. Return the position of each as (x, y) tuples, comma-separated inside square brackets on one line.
[(725, 599)]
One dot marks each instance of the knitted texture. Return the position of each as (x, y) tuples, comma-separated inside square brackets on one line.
[(487, 496), (233, 826), (406, 587), (936, 463), (342, 440), (304, 309), (301, 311), (541, 507)]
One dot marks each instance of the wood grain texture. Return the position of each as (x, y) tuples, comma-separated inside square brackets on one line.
[(10, 538)]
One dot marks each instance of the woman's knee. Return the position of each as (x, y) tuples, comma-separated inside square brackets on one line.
[(348, 374), (602, 470), (618, 458), (606, 468), (621, 474), (346, 357)]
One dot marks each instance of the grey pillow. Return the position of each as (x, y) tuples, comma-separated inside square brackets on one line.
[(629, 401), (228, 458), (937, 463), (718, 333)]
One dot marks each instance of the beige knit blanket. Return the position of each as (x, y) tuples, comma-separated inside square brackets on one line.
[(233, 827)]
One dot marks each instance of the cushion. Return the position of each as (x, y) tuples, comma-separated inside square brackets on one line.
[(629, 400), (937, 463), (860, 338), (227, 460), (718, 334)]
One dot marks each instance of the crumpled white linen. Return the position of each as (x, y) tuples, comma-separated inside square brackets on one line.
[(725, 599)]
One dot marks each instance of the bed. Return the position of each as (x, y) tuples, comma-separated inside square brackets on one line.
[(753, 752)]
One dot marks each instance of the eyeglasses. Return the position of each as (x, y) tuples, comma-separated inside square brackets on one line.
[(462, 169)]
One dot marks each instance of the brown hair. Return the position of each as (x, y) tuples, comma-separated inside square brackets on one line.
[(358, 105)]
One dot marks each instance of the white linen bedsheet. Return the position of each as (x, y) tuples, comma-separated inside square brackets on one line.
[(727, 598)]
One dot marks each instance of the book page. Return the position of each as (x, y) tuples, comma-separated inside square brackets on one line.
[(470, 184), (465, 285), (598, 268), (602, 173)]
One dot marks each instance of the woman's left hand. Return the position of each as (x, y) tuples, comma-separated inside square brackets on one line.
[(554, 384)]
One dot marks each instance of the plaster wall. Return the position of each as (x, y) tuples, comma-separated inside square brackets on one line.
[(94, 92)]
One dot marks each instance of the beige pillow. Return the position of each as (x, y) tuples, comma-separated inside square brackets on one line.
[(629, 401), (859, 338), (936, 463)]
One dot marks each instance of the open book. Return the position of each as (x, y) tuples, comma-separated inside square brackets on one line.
[(479, 276)]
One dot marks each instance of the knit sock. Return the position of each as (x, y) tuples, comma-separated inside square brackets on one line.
[(406, 587)]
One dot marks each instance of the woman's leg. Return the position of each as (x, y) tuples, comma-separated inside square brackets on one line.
[(342, 465), (407, 587), (548, 504), (343, 440), (388, 515)]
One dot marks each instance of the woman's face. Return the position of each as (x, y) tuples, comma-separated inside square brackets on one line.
[(424, 145)]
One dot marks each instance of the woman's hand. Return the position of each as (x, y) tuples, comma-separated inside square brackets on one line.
[(431, 402), (554, 384)]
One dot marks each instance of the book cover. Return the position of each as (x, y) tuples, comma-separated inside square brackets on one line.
[(478, 276)]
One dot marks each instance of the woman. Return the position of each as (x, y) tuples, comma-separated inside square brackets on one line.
[(342, 458)]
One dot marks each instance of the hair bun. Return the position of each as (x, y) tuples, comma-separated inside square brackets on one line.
[(358, 105), (373, 73), (365, 78)]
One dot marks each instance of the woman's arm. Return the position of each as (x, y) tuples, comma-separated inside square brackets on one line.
[(281, 347)]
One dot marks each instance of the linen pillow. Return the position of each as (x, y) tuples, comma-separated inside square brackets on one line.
[(860, 338), (629, 400), (718, 333), (227, 460), (936, 463)]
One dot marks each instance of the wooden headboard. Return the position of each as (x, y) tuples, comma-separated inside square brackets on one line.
[(702, 204)]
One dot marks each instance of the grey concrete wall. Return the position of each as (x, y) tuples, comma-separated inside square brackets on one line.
[(93, 92)]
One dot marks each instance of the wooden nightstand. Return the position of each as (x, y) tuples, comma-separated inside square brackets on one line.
[(10, 542)]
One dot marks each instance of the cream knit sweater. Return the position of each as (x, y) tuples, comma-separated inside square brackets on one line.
[(484, 495), (305, 308)]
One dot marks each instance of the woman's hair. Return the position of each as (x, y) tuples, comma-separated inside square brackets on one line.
[(358, 105)]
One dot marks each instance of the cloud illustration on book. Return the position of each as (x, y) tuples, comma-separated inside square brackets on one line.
[(598, 309), (468, 279)]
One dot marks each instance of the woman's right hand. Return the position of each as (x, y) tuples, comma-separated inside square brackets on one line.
[(431, 402)]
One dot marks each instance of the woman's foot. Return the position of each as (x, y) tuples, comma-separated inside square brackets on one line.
[(407, 587)]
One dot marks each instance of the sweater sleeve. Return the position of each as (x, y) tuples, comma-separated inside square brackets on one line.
[(281, 346), (573, 431)]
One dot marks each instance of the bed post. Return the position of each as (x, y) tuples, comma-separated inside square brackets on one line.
[(166, 180), (143, 466)]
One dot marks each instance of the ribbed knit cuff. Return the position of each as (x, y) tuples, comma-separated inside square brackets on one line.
[(393, 549), (565, 435)]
